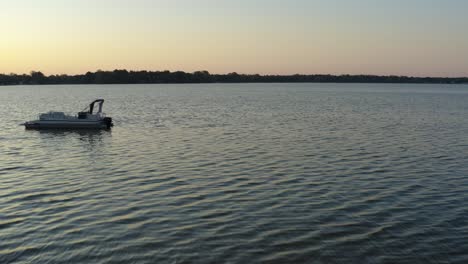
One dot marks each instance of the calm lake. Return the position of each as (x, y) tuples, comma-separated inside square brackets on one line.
[(238, 173)]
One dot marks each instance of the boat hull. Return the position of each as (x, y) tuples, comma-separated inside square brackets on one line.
[(46, 124)]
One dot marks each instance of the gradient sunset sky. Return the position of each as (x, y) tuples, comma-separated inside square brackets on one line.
[(412, 37)]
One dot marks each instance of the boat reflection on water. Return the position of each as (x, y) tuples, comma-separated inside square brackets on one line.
[(90, 138)]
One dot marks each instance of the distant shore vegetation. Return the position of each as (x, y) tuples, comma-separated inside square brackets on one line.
[(142, 77)]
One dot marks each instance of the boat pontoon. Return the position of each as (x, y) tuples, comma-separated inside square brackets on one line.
[(85, 119)]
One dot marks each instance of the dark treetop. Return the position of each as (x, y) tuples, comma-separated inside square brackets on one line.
[(124, 76)]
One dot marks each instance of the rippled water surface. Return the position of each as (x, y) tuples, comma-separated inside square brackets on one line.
[(252, 173)]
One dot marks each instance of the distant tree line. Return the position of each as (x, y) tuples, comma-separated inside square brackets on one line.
[(135, 77)]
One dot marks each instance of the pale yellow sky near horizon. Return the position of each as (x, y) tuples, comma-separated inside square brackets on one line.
[(418, 38)]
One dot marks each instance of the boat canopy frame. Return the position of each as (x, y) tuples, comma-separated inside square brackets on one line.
[(91, 106)]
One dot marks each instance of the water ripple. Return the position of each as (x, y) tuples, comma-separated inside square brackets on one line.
[(238, 174)]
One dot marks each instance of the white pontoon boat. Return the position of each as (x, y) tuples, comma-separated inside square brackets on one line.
[(85, 119)]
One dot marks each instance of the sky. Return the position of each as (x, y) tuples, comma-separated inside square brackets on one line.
[(383, 37)]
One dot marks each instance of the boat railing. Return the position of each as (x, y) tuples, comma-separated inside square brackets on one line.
[(57, 115), (66, 116)]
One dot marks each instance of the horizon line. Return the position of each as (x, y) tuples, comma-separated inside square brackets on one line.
[(241, 73)]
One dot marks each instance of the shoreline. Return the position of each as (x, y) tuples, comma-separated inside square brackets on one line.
[(105, 84), (204, 77)]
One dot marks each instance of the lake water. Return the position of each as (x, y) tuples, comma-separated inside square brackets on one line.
[(238, 173)]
